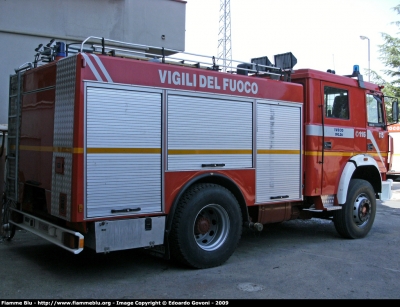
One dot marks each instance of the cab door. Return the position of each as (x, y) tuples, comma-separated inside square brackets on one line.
[(339, 125)]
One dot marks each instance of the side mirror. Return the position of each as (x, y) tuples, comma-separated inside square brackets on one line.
[(395, 111)]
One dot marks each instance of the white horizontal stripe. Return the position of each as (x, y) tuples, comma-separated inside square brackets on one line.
[(339, 132)]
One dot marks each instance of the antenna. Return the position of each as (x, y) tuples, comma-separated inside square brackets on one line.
[(333, 60), (224, 35)]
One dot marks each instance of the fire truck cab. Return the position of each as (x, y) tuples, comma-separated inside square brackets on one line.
[(113, 145), (347, 117)]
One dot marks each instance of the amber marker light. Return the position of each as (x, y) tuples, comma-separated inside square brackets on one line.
[(81, 243)]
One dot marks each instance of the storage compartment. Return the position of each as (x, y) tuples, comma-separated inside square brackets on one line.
[(107, 236)]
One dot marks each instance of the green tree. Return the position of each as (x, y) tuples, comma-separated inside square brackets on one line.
[(390, 57)]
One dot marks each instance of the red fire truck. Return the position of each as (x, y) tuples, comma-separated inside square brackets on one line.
[(114, 146)]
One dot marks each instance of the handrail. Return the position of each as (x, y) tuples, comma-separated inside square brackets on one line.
[(143, 51), (51, 51)]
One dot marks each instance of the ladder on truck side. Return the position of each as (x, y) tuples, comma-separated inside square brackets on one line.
[(10, 196), (14, 120)]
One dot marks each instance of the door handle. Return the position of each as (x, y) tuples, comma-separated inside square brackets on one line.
[(327, 145), (370, 146)]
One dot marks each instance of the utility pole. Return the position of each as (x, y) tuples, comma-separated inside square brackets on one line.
[(224, 35)]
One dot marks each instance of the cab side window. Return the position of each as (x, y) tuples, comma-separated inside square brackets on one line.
[(336, 103), (374, 111)]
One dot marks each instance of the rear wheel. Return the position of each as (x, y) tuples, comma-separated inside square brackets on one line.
[(207, 226), (356, 217)]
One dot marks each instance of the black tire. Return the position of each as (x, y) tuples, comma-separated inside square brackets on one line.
[(7, 230), (206, 227), (355, 219)]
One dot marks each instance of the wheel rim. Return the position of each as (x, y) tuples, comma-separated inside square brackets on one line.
[(361, 210), (211, 227)]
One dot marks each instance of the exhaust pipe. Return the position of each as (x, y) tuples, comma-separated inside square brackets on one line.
[(254, 226)]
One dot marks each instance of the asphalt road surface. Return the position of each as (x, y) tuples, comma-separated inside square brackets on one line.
[(300, 259)]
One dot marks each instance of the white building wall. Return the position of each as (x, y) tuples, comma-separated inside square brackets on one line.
[(24, 24)]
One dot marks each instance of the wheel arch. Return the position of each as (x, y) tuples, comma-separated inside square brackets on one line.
[(359, 167), (219, 179)]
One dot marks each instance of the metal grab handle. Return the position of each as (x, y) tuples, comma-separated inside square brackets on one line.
[(125, 210), (327, 145), (213, 165), (279, 197)]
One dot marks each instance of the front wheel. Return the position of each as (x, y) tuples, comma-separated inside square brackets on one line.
[(207, 226), (357, 215)]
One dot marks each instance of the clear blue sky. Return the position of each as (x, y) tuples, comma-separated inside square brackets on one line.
[(321, 34)]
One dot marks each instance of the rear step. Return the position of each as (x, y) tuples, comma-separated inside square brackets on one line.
[(70, 240)]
